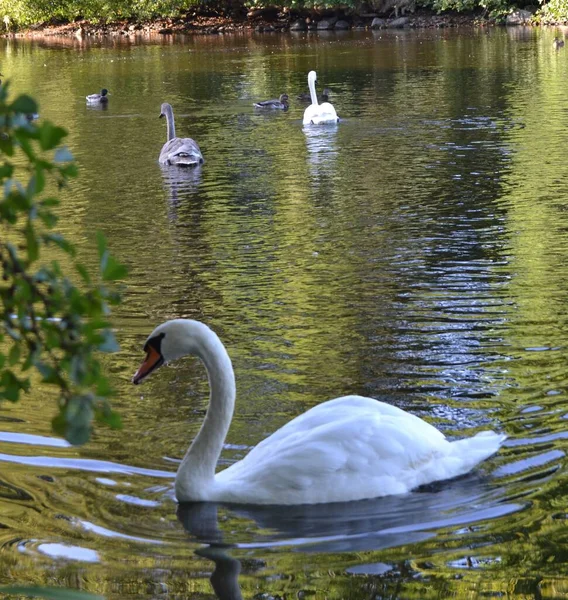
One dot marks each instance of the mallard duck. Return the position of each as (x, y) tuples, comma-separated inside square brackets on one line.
[(280, 104), (305, 97), (98, 98), (182, 152), (558, 43)]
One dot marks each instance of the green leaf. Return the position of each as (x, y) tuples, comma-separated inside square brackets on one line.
[(59, 240), (50, 136), (59, 424), (10, 386), (14, 355), (48, 373), (113, 270), (50, 593), (77, 435), (24, 104), (84, 273), (101, 244), (32, 242), (112, 419)]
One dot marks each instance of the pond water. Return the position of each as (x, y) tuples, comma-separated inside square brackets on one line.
[(416, 253)]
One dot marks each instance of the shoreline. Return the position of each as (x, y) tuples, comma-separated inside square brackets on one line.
[(205, 22)]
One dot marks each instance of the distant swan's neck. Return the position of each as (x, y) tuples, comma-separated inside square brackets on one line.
[(312, 86), (171, 123), (197, 469)]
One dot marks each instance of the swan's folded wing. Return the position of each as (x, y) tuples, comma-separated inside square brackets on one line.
[(345, 443), (181, 151)]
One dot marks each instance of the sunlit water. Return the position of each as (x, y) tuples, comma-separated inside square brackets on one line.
[(417, 253)]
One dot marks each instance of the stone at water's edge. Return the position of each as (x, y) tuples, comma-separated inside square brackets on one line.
[(299, 25), (341, 24), (378, 23), (327, 23), (399, 23), (519, 17)]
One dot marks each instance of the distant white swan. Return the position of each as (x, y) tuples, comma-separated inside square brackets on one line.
[(101, 98), (317, 114), (346, 449), (183, 152)]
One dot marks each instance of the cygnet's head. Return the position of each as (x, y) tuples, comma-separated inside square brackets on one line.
[(169, 341), (165, 109)]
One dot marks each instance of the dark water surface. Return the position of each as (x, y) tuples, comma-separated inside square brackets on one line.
[(416, 253)]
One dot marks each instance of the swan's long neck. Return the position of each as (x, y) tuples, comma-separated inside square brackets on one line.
[(312, 87), (197, 469), (171, 123)]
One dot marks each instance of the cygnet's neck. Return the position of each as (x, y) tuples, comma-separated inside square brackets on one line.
[(197, 469), (171, 123)]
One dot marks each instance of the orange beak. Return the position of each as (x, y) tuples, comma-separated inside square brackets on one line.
[(152, 361)]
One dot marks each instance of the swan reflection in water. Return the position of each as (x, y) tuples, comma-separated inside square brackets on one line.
[(321, 143), (180, 182), (360, 526)]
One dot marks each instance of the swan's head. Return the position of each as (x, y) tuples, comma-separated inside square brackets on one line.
[(169, 341), (165, 109), (312, 77)]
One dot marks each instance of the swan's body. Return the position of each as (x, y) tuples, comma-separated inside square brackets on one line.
[(280, 104), (346, 449), (182, 152), (101, 98), (316, 114), (307, 97)]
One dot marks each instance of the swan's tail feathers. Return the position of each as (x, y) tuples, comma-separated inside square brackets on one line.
[(475, 449), (185, 159)]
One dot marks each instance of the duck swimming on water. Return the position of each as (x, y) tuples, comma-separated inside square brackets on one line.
[(305, 97), (280, 104), (98, 98)]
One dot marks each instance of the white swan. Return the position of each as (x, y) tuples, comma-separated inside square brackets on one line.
[(317, 114), (183, 152), (346, 449)]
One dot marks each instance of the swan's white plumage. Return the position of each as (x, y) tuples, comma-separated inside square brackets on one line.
[(317, 114), (345, 449)]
